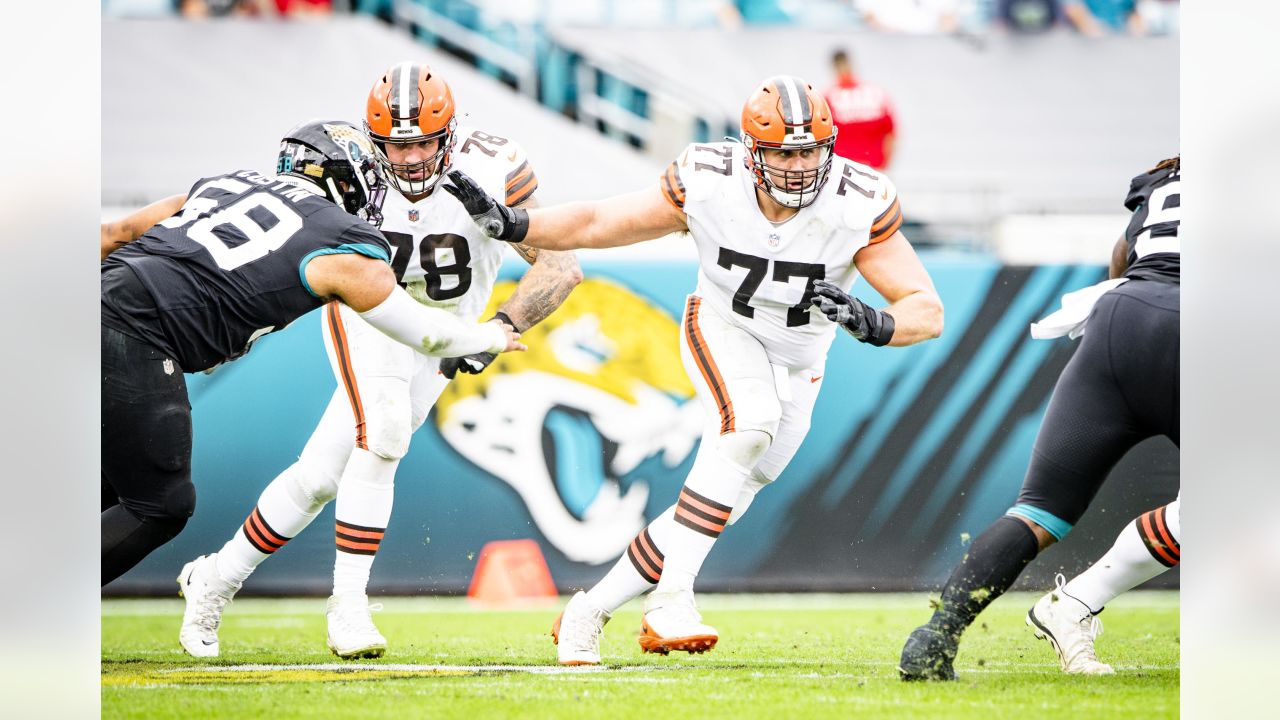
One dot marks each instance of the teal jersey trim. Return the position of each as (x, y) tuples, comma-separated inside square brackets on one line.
[(365, 249), (1056, 526)]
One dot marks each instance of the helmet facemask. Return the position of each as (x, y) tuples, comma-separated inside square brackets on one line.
[(432, 169), (778, 181)]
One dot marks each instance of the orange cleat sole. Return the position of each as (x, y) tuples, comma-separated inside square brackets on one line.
[(555, 629), (650, 642)]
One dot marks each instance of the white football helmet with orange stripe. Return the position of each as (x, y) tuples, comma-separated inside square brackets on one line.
[(412, 104), (786, 113)]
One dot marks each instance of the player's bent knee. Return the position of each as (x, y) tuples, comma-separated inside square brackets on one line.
[(389, 433), (176, 505), (310, 485), (744, 447)]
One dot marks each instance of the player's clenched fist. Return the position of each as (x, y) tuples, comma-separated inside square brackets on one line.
[(863, 322)]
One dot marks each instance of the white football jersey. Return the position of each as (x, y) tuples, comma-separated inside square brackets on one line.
[(760, 274), (438, 253)]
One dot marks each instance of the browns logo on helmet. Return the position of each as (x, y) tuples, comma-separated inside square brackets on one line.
[(412, 104), (786, 113)]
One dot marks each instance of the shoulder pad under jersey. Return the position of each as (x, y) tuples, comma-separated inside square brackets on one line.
[(701, 170), (866, 198), (498, 164)]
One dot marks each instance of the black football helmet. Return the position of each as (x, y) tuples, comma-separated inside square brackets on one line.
[(339, 159)]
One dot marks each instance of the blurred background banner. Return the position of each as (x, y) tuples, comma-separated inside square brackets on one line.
[(584, 439), (1016, 128)]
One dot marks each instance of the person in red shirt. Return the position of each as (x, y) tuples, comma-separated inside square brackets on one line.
[(862, 114)]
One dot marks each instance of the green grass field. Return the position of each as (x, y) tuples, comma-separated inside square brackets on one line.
[(780, 656)]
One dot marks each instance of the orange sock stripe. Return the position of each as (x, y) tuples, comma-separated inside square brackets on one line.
[(343, 351), (706, 505), (268, 532), (642, 563), (651, 548), (1166, 536), (693, 520), (356, 548), (256, 539), (349, 531), (1146, 530), (707, 366)]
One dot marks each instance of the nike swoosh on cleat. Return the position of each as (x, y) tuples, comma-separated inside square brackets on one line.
[(206, 642), (815, 379)]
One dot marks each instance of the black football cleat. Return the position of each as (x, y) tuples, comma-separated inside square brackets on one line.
[(928, 655)]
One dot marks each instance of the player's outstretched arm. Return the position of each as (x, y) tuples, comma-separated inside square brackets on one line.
[(895, 271), (368, 286), (116, 235), (615, 221)]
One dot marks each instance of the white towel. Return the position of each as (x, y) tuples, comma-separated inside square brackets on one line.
[(1076, 306)]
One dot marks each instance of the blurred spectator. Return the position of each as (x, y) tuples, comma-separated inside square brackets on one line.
[(917, 17), (303, 8), (1029, 16), (863, 116), (138, 8), (196, 9), (1094, 18), (258, 8)]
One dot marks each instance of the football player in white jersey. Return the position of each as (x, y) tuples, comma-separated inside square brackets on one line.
[(384, 391), (783, 228)]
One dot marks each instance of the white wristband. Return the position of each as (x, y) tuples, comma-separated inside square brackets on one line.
[(432, 331)]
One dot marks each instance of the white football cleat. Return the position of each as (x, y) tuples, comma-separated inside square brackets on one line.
[(1070, 627), (207, 595), (576, 632), (672, 622), (352, 633)]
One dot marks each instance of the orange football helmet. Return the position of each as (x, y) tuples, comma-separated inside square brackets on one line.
[(412, 104), (786, 113)]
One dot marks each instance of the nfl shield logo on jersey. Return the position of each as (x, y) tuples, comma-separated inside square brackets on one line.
[(774, 239), (413, 214)]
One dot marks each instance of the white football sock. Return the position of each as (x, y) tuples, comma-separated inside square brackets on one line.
[(365, 496), (282, 512), (638, 569), (705, 503), (1145, 548)]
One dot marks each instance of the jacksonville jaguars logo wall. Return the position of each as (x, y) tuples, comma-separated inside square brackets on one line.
[(590, 401)]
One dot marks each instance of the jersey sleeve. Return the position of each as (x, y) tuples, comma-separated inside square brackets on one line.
[(888, 212), (520, 181), (698, 172), (672, 184)]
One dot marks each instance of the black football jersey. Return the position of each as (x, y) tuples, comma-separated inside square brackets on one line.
[(228, 268), (1154, 252)]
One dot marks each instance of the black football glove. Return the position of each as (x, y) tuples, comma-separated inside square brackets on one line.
[(865, 323), (496, 220), (469, 364), (476, 363)]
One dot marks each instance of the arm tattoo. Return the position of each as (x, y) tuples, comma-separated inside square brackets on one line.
[(542, 289)]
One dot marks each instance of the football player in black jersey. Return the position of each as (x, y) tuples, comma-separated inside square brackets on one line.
[(1120, 388), (244, 256)]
